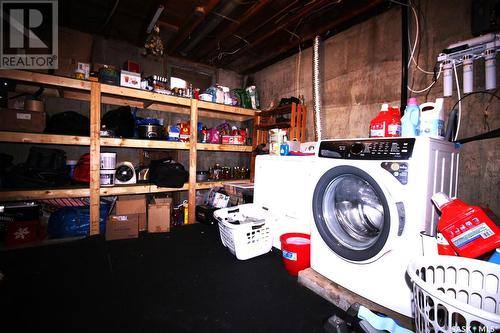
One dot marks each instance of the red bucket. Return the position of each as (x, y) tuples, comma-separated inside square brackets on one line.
[(296, 252)]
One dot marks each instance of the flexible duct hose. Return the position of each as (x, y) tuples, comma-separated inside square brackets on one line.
[(316, 91)]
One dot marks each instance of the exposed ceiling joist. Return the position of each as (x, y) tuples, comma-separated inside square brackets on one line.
[(194, 20), (339, 24), (289, 22), (249, 14)]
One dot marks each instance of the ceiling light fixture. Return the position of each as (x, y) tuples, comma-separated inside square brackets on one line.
[(155, 18)]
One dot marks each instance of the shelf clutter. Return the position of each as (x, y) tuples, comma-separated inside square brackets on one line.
[(98, 94)]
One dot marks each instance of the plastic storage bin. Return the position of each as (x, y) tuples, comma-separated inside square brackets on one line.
[(296, 252), (455, 294), (245, 230)]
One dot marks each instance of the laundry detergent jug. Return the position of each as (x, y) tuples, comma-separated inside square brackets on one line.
[(468, 229), (432, 119), (410, 121)]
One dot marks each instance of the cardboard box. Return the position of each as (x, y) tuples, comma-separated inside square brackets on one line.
[(133, 204), (85, 67), (122, 227), (159, 215), (21, 120), (130, 79), (233, 140), (132, 66)]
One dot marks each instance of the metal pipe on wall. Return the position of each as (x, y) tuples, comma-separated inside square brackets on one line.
[(316, 91), (404, 55)]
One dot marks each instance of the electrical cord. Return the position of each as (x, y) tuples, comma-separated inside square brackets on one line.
[(474, 93), (430, 85)]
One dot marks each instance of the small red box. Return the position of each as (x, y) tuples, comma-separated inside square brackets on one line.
[(23, 232), (132, 66)]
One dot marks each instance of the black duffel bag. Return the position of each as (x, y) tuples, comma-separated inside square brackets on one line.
[(44, 168), (167, 173)]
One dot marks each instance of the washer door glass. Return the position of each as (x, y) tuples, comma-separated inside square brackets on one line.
[(351, 213)]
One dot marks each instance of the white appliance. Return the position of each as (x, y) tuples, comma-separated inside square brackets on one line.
[(370, 201), (280, 185), (125, 173)]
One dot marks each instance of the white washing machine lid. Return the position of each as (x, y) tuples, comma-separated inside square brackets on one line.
[(356, 217)]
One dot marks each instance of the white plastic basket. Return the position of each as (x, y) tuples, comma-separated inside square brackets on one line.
[(455, 294), (244, 231)]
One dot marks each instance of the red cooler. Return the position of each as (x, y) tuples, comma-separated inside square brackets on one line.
[(296, 251)]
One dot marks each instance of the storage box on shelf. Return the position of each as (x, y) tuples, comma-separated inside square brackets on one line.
[(97, 94)]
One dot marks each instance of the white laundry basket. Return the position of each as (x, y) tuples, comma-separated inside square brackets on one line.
[(455, 294), (244, 230)]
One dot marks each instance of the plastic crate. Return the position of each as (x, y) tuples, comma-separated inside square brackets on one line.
[(455, 294), (244, 230)]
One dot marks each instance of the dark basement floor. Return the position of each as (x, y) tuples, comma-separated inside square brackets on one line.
[(182, 281)]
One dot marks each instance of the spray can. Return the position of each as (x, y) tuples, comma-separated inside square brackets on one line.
[(186, 210), (378, 124), (468, 229), (410, 121)]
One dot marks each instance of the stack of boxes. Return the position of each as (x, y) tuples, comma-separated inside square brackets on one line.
[(134, 214)]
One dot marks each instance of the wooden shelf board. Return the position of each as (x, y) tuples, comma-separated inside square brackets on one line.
[(271, 126), (56, 139), (284, 109), (225, 108), (144, 95), (45, 79), (219, 147), (22, 194), (218, 183), (139, 189), (138, 143)]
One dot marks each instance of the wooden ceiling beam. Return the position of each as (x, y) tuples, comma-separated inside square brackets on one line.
[(343, 21), (241, 21), (195, 19), (293, 20)]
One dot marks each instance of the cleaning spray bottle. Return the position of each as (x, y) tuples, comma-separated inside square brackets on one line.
[(410, 121), (468, 229)]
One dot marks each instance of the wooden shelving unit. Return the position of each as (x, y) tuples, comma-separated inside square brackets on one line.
[(269, 119), (99, 94)]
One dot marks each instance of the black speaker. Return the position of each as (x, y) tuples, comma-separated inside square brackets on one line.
[(485, 17)]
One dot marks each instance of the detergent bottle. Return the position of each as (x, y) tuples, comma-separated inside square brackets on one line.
[(410, 121), (432, 119), (393, 124), (468, 229), (378, 124)]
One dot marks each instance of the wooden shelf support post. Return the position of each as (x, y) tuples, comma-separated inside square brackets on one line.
[(95, 156), (193, 139)]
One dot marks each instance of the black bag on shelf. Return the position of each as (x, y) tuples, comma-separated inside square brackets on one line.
[(68, 123), (121, 121), (44, 167), (167, 173)]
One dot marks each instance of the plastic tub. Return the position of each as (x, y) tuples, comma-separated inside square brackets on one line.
[(296, 252)]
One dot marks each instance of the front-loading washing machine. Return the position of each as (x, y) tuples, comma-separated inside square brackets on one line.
[(370, 202)]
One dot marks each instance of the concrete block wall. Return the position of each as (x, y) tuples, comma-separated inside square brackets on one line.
[(361, 69)]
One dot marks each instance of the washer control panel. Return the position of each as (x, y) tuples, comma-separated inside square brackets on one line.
[(368, 149)]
